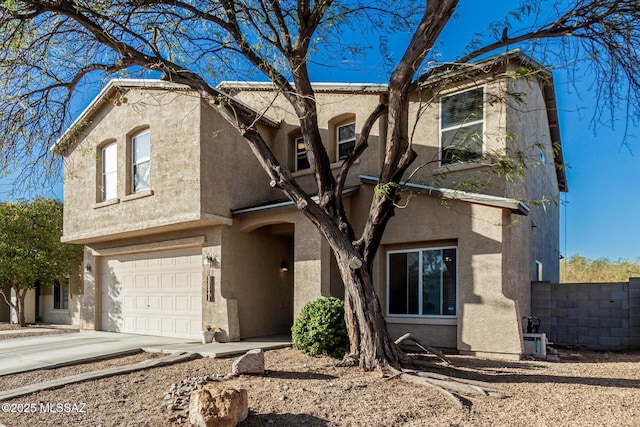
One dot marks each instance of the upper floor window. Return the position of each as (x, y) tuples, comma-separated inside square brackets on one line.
[(140, 161), (109, 173), (302, 161), (346, 140), (61, 296), (462, 126), (422, 282)]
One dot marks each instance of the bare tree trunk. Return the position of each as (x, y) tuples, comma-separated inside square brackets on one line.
[(370, 342), (19, 306)]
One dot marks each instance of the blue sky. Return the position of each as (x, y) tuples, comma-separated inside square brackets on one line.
[(600, 214)]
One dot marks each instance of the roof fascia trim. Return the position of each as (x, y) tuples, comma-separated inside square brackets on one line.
[(146, 84), (286, 204), (516, 206)]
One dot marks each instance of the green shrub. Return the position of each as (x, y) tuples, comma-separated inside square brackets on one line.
[(320, 329)]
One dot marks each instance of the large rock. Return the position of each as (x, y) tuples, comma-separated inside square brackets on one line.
[(252, 362), (218, 406)]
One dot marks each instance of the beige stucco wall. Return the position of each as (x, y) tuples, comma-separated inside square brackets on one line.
[(251, 275), (231, 176), (173, 119), (424, 124), (334, 108), (314, 275), (487, 317), (529, 123), (71, 315), (29, 307), (202, 169)]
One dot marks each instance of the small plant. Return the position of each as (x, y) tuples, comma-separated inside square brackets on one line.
[(209, 328), (320, 329)]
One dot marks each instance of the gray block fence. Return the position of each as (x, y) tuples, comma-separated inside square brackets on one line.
[(598, 316)]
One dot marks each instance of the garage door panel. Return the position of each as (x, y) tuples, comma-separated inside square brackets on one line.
[(168, 281), (182, 281), (166, 262), (154, 326), (167, 303), (141, 303), (142, 323), (129, 323), (167, 326), (156, 293), (183, 326), (129, 304), (182, 303), (154, 303), (195, 301), (154, 281), (141, 282)]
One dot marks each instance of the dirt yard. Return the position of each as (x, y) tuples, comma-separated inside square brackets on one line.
[(583, 389), (10, 327)]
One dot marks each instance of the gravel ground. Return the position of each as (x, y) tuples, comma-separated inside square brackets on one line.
[(10, 327), (583, 389)]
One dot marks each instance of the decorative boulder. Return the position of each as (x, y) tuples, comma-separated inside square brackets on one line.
[(218, 406), (252, 362)]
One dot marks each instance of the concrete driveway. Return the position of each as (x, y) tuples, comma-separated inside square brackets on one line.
[(47, 351)]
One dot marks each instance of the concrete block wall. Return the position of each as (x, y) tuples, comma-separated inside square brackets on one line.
[(598, 316), (634, 313)]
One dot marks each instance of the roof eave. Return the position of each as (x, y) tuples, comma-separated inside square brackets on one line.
[(102, 97), (434, 76), (282, 204), (316, 86), (515, 206)]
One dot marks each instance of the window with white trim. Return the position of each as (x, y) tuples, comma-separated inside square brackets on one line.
[(61, 296), (422, 282), (109, 172), (346, 139), (140, 162), (462, 126), (302, 161)]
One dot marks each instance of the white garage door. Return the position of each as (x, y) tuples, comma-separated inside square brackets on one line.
[(153, 293)]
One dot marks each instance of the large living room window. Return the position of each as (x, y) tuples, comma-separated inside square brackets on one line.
[(462, 126), (109, 174), (346, 139), (140, 161), (61, 296), (422, 282)]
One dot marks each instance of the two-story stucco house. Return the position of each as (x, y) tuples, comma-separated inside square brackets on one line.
[(181, 227)]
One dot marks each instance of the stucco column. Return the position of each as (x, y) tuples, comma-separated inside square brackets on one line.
[(218, 275), (312, 256), (91, 308), (488, 322)]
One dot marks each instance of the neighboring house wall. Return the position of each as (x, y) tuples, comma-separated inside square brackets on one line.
[(69, 315), (29, 306), (5, 310), (598, 316)]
